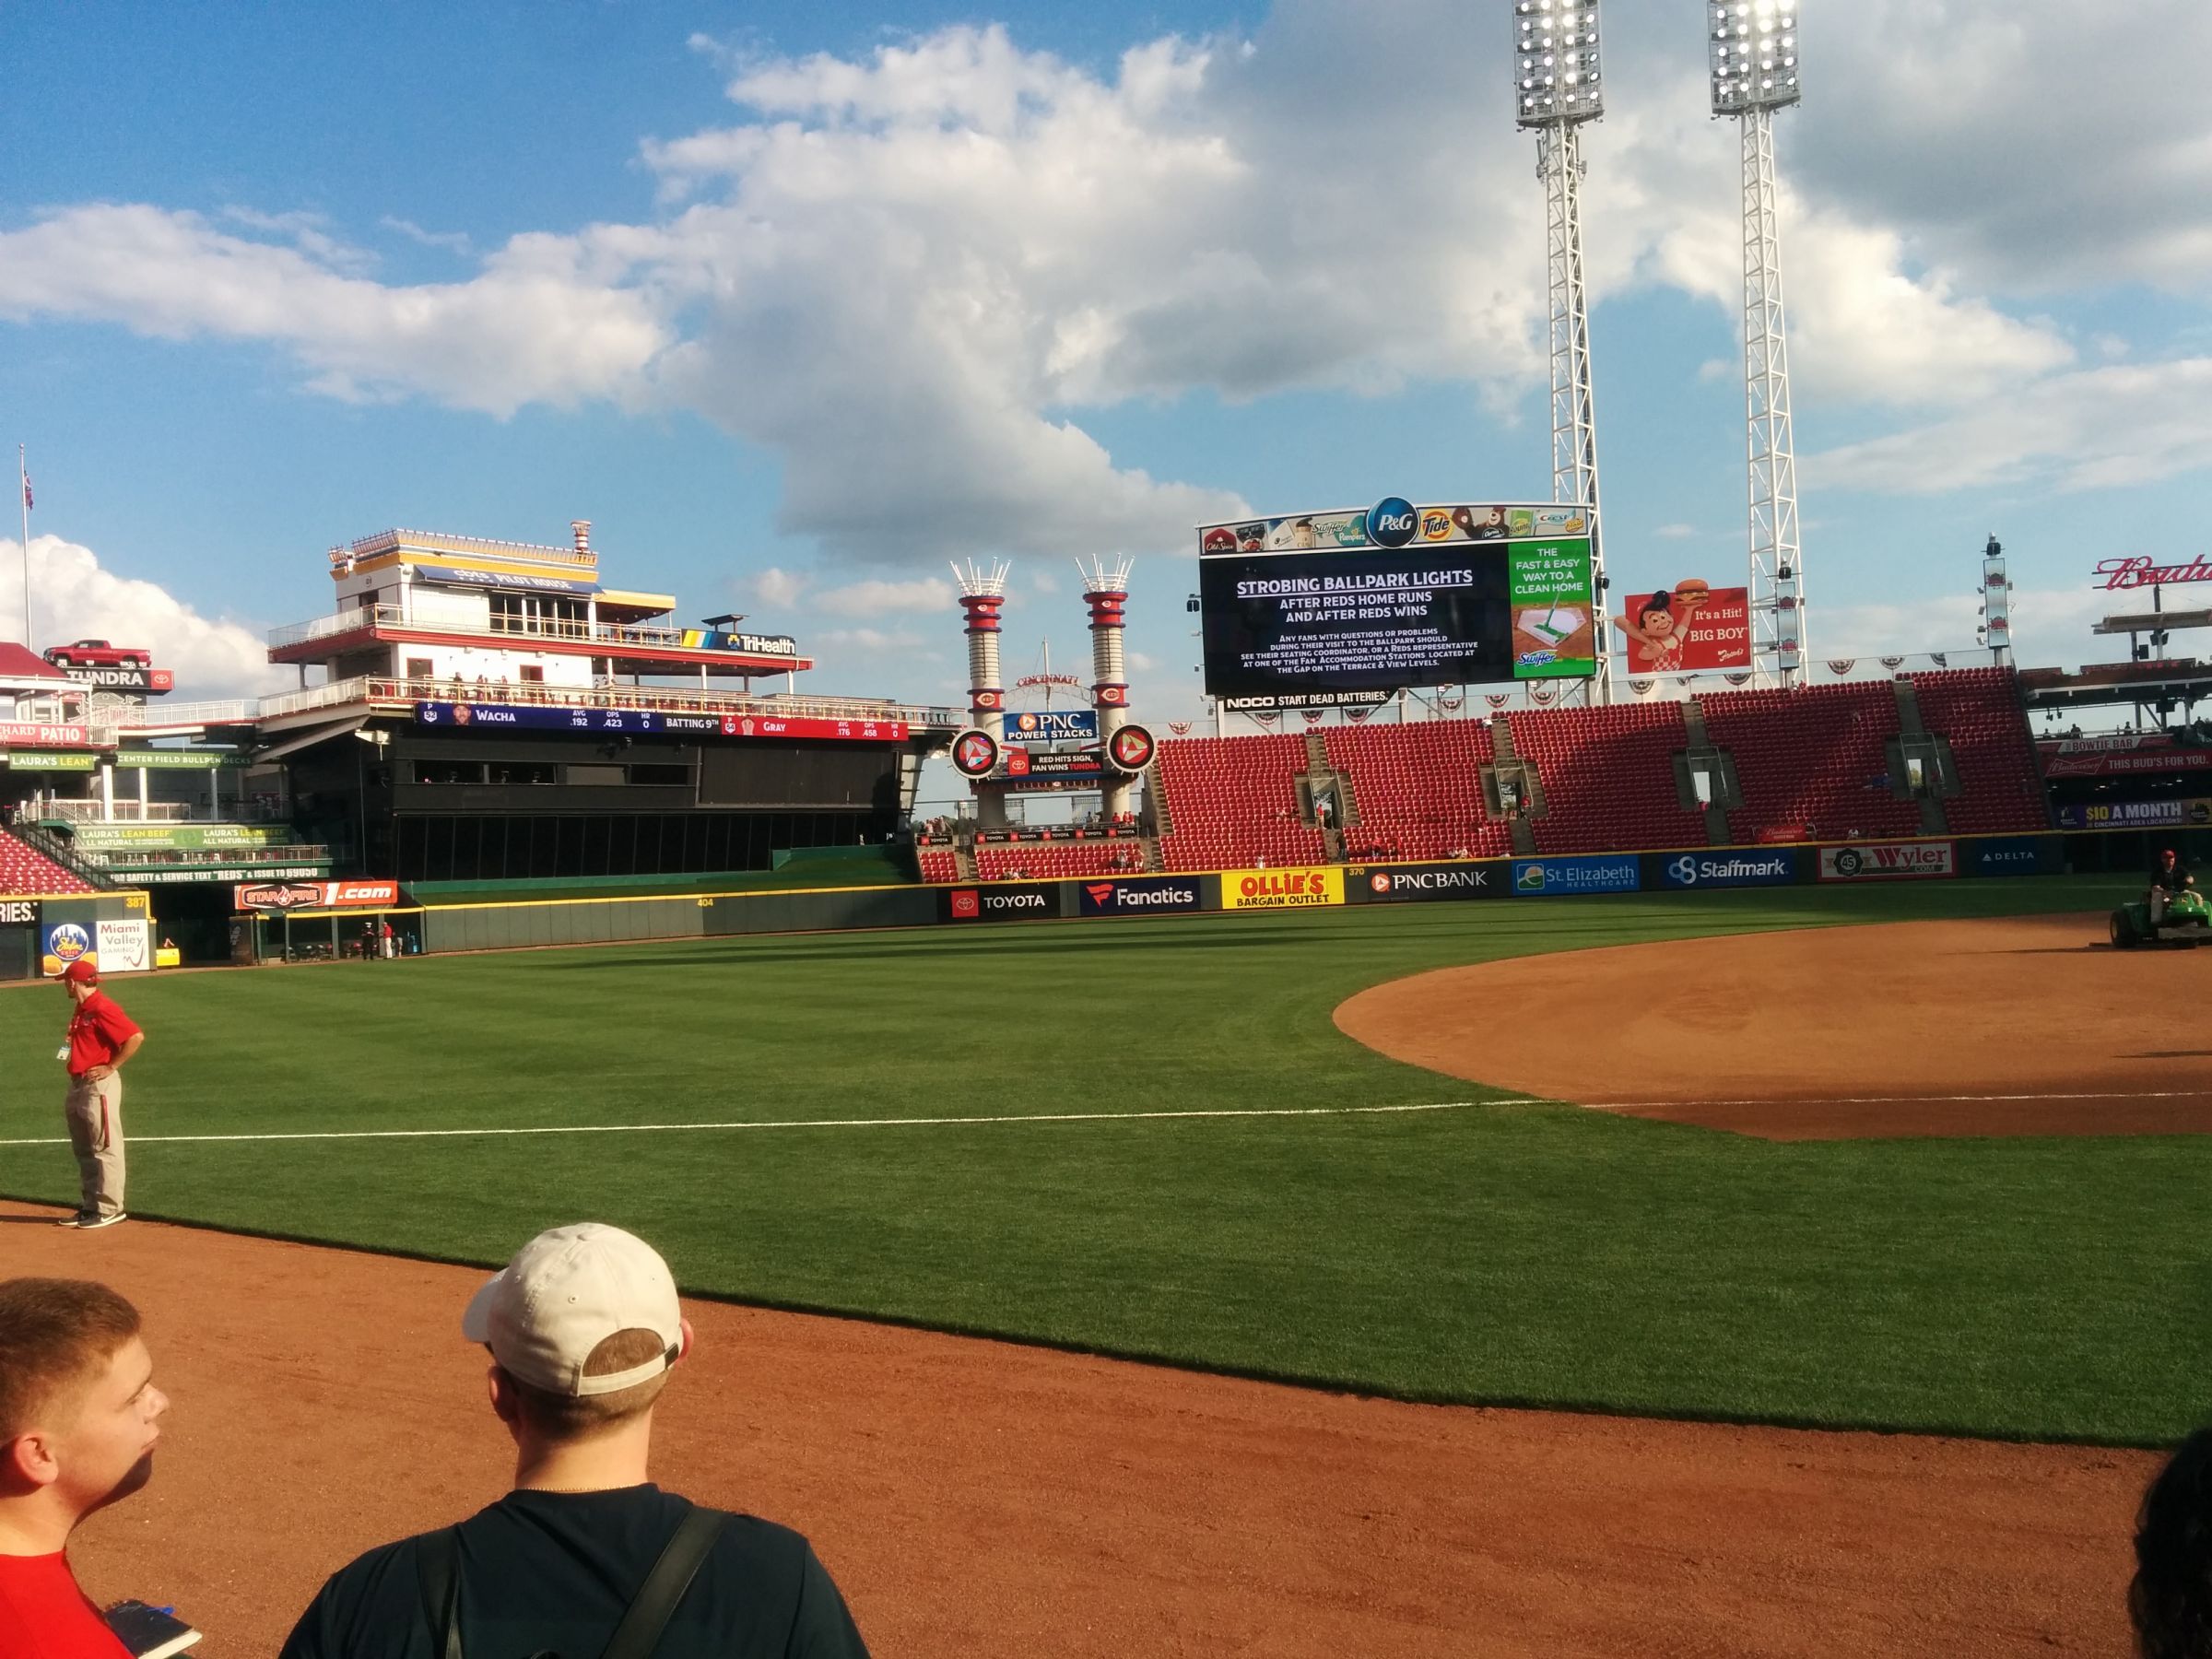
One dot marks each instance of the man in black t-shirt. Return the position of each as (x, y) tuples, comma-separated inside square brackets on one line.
[(2169, 876), (584, 1327)]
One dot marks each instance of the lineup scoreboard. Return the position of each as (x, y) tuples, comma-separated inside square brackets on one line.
[(1321, 604)]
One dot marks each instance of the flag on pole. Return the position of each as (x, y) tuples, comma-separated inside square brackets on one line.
[(27, 501)]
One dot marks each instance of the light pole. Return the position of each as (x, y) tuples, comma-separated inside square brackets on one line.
[(1556, 87), (1753, 48), (380, 740)]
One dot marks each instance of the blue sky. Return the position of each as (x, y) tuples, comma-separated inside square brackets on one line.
[(795, 300)]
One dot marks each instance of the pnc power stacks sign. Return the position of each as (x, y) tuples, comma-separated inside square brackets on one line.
[(1281, 889)]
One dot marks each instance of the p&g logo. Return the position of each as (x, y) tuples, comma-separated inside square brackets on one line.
[(1391, 523)]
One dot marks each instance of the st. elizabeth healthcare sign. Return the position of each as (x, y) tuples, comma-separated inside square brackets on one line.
[(1551, 878)]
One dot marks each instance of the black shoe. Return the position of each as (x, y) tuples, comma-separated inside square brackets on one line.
[(88, 1220)]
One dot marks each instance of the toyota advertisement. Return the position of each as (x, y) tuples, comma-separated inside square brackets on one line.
[(1003, 902)]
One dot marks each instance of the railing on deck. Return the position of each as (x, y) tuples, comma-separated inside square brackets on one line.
[(377, 688), (502, 628)]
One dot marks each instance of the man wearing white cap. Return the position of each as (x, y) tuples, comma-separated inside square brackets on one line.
[(584, 1558)]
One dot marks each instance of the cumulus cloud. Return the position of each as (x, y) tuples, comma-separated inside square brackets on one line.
[(2090, 429), (74, 596), (910, 273), (778, 587), (877, 598)]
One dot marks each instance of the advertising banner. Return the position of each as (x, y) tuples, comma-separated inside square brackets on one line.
[(2136, 815), (124, 946), (1602, 873), (85, 761), (2007, 856), (1282, 889), (145, 682), (315, 895), (1140, 895), (1554, 628), (2119, 756), (1002, 901), (506, 580), (1424, 883), (34, 735), (1054, 763), (1686, 629), (1034, 726), (497, 717), (1889, 861), (64, 943), (1778, 869), (19, 913), (107, 838)]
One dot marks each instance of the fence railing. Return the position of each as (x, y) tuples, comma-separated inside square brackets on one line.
[(574, 630), (378, 689)]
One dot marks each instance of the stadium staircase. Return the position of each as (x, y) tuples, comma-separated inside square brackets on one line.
[(1523, 833), (1609, 778), (1915, 738), (1980, 717), (1719, 770), (1234, 800), (27, 872), (1814, 763), (1414, 791)]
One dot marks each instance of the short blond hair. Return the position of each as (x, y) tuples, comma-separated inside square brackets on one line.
[(565, 1418)]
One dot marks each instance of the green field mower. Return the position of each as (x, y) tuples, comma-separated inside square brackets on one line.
[(2187, 921)]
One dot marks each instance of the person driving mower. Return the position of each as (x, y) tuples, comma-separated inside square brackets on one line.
[(2169, 876)]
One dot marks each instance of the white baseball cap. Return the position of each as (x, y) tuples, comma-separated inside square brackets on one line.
[(565, 1292)]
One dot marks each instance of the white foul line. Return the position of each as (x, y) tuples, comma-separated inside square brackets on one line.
[(1123, 1117), (929, 1123)]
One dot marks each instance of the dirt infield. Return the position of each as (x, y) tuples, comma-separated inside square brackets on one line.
[(2025, 1026), (983, 1499)]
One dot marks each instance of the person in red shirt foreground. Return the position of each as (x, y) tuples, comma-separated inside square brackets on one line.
[(102, 1036), (80, 1415)]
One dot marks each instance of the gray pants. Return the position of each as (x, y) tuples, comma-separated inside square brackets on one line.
[(95, 1112)]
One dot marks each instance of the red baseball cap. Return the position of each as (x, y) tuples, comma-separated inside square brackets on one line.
[(80, 972)]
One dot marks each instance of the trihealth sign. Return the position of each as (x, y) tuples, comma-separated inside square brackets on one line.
[(1281, 889), (1889, 861), (1549, 878), (1731, 869)]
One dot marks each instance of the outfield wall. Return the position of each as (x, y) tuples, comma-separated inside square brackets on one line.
[(546, 921)]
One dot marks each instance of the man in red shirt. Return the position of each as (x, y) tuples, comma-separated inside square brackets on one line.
[(101, 1038), (79, 1420)]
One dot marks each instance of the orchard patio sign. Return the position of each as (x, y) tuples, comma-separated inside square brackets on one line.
[(2136, 571)]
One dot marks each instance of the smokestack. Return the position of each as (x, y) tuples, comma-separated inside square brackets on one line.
[(582, 530)]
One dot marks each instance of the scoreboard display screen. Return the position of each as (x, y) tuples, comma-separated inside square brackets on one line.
[(1321, 602)]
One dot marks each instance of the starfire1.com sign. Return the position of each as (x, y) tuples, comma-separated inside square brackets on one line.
[(1889, 861)]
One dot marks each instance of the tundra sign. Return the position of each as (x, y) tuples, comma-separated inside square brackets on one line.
[(1889, 861)]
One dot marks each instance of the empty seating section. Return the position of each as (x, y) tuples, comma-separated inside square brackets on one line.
[(1232, 802), (1043, 861), (1419, 788), (1608, 777), (28, 874), (938, 864), (1980, 711), (1813, 758)]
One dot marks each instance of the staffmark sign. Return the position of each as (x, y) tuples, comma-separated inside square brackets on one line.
[(1731, 869), (1282, 889), (1139, 895), (1889, 861)]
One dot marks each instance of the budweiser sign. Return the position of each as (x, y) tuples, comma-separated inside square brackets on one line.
[(2137, 572)]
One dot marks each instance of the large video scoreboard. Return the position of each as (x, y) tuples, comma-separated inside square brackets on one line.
[(1393, 596)]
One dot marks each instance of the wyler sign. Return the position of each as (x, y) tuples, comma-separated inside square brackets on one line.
[(1281, 889), (1002, 901), (1425, 884), (1889, 861), (1730, 869), (1139, 895)]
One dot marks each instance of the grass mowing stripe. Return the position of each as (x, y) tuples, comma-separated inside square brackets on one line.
[(1525, 1254)]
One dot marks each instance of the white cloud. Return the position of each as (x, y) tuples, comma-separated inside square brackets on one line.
[(1675, 532), (872, 639), (74, 596), (778, 587), (451, 242), (2095, 428), (878, 598), (538, 324)]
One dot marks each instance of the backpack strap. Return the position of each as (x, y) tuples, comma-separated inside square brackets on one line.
[(662, 1591), (438, 1572)]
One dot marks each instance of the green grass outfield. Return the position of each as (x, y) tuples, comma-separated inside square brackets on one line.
[(1509, 1254)]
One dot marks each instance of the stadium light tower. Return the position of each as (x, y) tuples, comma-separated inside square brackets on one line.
[(1556, 87), (1754, 54)]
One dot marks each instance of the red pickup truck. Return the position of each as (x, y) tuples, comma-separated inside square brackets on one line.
[(99, 653)]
